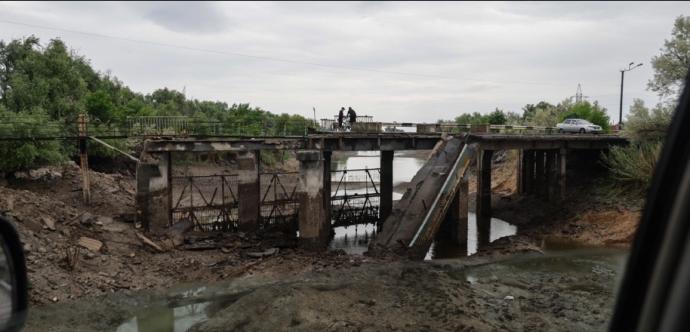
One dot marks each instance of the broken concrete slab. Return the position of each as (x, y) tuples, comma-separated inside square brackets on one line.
[(91, 244)]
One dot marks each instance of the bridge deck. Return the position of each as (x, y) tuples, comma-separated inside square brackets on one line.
[(381, 141)]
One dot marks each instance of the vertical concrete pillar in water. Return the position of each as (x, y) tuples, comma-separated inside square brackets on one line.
[(540, 176), (327, 182), (314, 225), (484, 196), (456, 218), (549, 172), (562, 171), (153, 202), (386, 181), (528, 171), (520, 174), (553, 170), (249, 189)]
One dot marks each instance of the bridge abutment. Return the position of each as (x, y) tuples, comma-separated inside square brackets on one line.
[(314, 222)]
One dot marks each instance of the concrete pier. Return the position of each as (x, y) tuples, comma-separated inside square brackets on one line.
[(249, 205), (484, 183), (153, 192), (483, 197), (562, 163), (314, 222), (386, 181)]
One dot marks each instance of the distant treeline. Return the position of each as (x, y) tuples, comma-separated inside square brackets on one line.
[(542, 114), (51, 84)]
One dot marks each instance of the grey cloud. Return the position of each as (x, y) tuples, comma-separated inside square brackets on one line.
[(476, 56), (188, 17)]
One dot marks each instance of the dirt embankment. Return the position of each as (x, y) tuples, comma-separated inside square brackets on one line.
[(587, 216), (76, 250)]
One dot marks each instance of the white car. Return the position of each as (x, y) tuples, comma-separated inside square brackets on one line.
[(578, 126)]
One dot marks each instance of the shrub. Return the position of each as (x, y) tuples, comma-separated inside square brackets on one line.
[(24, 154), (633, 165)]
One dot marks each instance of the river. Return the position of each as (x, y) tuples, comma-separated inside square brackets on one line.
[(355, 239)]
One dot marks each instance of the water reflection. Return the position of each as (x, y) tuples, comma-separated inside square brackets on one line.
[(404, 168), (354, 240), (445, 249), (165, 319), (169, 318)]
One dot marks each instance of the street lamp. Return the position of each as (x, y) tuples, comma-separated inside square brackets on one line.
[(631, 66)]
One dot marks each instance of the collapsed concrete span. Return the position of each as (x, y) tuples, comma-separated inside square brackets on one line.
[(416, 218)]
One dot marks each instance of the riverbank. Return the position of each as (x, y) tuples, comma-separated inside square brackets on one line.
[(525, 293), (88, 261)]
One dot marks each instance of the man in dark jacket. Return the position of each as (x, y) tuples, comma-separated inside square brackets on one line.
[(352, 115)]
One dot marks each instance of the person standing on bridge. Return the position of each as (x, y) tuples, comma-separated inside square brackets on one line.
[(352, 115), (341, 115)]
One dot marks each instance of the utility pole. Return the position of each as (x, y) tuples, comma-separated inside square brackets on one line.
[(620, 112)]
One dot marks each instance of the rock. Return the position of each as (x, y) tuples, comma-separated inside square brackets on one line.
[(509, 298), (87, 218), (89, 243), (27, 247), (49, 222), (42, 250), (265, 253)]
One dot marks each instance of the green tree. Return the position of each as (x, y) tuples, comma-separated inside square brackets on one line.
[(671, 66), (591, 112), (643, 124), (496, 117)]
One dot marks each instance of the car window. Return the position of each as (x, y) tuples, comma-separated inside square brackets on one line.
[(213, 189)]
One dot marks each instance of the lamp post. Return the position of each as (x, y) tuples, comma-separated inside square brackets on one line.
[(631, 66)]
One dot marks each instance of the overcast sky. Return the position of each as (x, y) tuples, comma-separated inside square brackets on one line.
[(396, 61)]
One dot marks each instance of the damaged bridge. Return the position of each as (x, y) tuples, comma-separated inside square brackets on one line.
[(437, 195)]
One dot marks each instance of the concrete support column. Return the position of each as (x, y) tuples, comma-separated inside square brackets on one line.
[(153, 196), (540, 175), (484, 183), (528, 171), (327, 182), (551, 165), (520, 174), (314, 224), (484, 197), (562, 156), (457, 216), (386, 180), (249, 189)]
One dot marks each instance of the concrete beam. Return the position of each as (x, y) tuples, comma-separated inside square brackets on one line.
[(249, 191), (314, 223), (386, 180)]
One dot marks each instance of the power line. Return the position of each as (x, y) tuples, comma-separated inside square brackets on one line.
[(266, 58)]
